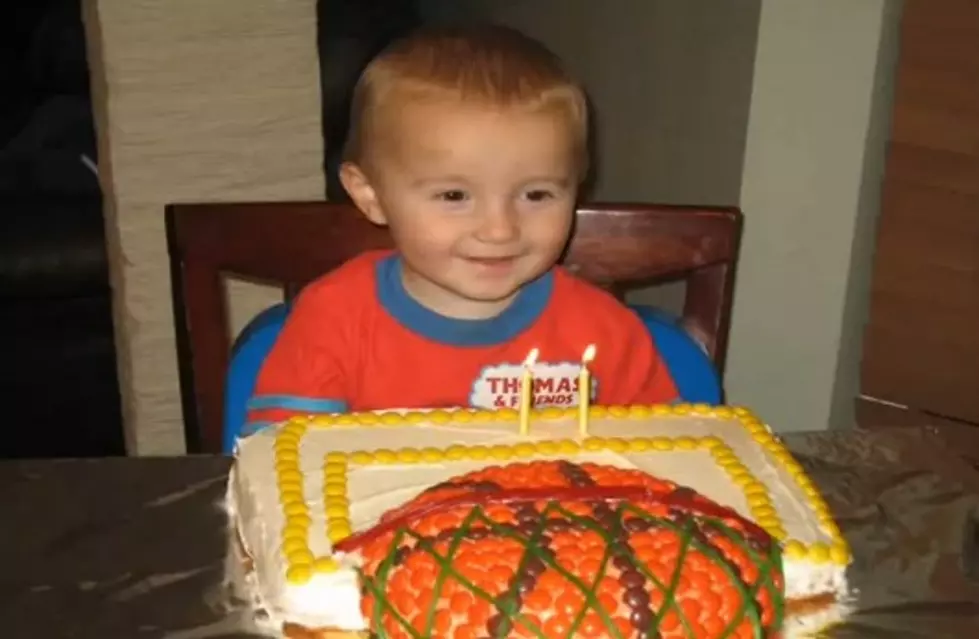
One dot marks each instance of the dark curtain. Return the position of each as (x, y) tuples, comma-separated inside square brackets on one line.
[(350, 33)]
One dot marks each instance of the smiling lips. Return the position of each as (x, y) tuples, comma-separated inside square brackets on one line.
[(493, 263)]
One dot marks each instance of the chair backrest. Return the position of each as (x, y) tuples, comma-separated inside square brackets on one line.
[(614, 245)]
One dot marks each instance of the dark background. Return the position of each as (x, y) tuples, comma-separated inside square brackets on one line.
[(58, 384)]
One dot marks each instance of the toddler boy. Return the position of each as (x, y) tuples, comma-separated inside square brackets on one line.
[(469, 144)]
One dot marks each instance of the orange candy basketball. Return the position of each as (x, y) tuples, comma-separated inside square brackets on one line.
[(555, 549)]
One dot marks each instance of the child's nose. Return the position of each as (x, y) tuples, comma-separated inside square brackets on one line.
[(499, 224)]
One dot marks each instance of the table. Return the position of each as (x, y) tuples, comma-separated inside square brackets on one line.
[(135, 547)]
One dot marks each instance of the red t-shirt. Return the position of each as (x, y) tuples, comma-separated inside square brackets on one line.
[(355, 340)]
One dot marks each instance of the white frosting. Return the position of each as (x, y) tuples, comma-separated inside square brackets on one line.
[(332, 600)]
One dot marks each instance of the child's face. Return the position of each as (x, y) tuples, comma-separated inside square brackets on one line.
[(479, 201)]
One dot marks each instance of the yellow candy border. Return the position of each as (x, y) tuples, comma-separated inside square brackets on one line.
[(301, 565)]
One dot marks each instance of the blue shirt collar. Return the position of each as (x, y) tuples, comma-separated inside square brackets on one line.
[(526, 307)]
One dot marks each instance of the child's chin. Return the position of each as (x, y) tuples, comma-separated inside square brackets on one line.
[(491, 295)]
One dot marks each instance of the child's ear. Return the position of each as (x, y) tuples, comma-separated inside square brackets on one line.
[(359, 189)]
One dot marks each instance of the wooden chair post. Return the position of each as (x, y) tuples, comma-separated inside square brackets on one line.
[(707, 309), (203, 346)]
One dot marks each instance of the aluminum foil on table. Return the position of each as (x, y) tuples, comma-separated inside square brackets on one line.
[(909, 508)]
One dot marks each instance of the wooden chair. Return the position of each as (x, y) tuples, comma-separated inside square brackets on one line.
[(614, 245)]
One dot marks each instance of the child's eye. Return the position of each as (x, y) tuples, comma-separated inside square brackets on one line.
[(452, 195), (538, 195)]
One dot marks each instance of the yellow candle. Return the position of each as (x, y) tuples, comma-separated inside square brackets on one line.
[(526, 391), (584, 390)]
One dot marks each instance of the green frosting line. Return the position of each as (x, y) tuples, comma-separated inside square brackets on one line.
[(456, 539), (620, 509), (580, 617), (747, 595), (381, 602), (710, 553), (589, 593), (533, 543), (774, 560), (764, 578), (473, 588), (386, 605), (669, 595)]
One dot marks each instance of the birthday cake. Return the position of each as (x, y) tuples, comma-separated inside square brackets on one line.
[(659, 521)]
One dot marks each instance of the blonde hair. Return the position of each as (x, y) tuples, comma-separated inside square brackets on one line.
[(485, 65)]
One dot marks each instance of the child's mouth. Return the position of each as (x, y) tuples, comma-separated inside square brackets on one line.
[(493, 263)]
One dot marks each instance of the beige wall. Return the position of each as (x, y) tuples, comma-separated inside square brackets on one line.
[(815, 153), (197, 100), (670, 80)]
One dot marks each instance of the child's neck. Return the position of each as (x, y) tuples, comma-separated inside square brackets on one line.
[(449, 305)]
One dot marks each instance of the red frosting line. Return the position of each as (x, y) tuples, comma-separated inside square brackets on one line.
[(636, 494)]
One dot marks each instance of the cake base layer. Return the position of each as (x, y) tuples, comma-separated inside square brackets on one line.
[(292, 631), (241, 580), (804, 618), (309, 490)]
